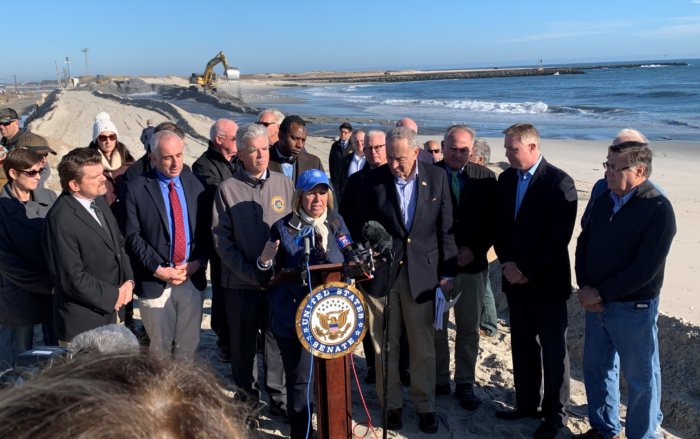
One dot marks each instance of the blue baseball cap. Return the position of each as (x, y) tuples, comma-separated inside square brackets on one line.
[(312, 178)]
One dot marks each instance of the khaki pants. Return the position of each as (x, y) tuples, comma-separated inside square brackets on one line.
[(467, 316), (420, 332), (175, 316)]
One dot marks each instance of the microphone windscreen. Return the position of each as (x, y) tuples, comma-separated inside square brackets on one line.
[(377, 236), (105, 339)]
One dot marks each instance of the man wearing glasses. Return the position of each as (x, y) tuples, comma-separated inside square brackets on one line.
[(473, 190), (215, 165), (271, 119), (620, 258), (433, 148)]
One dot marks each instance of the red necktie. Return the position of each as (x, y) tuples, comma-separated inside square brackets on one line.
[(179, 244)]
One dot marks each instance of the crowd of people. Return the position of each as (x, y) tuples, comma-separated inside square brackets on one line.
[(148, 228)]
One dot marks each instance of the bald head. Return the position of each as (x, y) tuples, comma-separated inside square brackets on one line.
[(629, 135), (222, 136), (409, 123)]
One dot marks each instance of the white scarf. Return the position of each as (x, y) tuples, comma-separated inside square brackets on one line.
[(318, 224), (113, 164)]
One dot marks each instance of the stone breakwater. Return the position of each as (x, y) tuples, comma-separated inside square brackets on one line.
[(434, 75)]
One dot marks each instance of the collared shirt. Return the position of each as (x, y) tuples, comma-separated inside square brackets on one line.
[(287, 168), (524, 179), (407, 193), (164, 183), (356, 164), (619, 201), (86, 204)]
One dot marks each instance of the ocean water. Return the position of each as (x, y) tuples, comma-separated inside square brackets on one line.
[(661, 101)]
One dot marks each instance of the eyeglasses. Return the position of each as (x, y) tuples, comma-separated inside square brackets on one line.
[(612, 168), (373, 148), (232, 138), (104, 137), (32, 173), (265, 124)]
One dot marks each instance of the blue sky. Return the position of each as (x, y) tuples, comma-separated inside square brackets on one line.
[(153, 38)]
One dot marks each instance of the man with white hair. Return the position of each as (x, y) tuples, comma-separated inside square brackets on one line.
[(271, 118), (215, 165), (411, 200), (245, 208), (169, 247)]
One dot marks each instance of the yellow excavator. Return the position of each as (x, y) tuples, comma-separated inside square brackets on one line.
[(208, 78)]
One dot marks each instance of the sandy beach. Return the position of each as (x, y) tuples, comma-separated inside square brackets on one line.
[(66, 121)]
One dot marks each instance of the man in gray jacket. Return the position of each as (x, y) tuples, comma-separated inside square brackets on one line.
[(245, 207)]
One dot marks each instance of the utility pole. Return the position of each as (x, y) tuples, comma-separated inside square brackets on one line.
[(16, 88), (67, 61), (87, 71), (58, 75)]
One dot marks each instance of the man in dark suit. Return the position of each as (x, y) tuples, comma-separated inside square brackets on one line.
[(351, 163), (340, 149), (288, 155), (536, 214), (168, 241), (216, 164), (84, 249), (473, 190), (412, 201)]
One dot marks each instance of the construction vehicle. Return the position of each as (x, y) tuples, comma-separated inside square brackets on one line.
[(208, 78)]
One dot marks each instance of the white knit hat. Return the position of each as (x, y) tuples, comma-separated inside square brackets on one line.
[(102, 124)]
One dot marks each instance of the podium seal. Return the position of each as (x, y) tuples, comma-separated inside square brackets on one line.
[(331, 321)]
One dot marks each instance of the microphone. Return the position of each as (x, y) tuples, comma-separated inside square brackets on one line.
[(351, 251), (104, 339), (306, 235), (377, 237)]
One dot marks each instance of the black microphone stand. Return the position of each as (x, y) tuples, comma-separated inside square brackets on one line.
[(386, 347)]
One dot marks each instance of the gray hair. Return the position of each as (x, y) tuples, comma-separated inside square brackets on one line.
[(250, 131), (403, 133), (460, 127), (279, 116), (215, 129), (630, 134), (636, 156), (482, 149), (162, 135), (374, 132)]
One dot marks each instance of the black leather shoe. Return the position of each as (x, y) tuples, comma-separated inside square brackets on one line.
[(547, 430), (428, 422), (405, 377), (371, 377), (443, 389), (394, 420), (467, 398), (514, 415)]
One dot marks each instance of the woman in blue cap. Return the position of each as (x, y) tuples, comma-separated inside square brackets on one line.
[(312, 214)]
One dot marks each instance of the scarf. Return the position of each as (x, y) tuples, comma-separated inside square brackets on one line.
[(318, 224), (113, 164)]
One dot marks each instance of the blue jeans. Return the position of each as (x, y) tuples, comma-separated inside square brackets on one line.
[(623, 336)]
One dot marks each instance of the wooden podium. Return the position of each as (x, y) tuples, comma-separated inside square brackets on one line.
[(332, 375)]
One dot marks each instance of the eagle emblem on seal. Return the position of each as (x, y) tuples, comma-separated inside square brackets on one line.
[(333, 325)]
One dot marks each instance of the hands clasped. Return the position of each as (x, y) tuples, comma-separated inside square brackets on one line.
[(269, 252)]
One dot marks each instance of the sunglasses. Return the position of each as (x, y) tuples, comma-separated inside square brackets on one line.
[(104, 138), (5, 124), (32, 173), (265, 124), (435, 151)]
